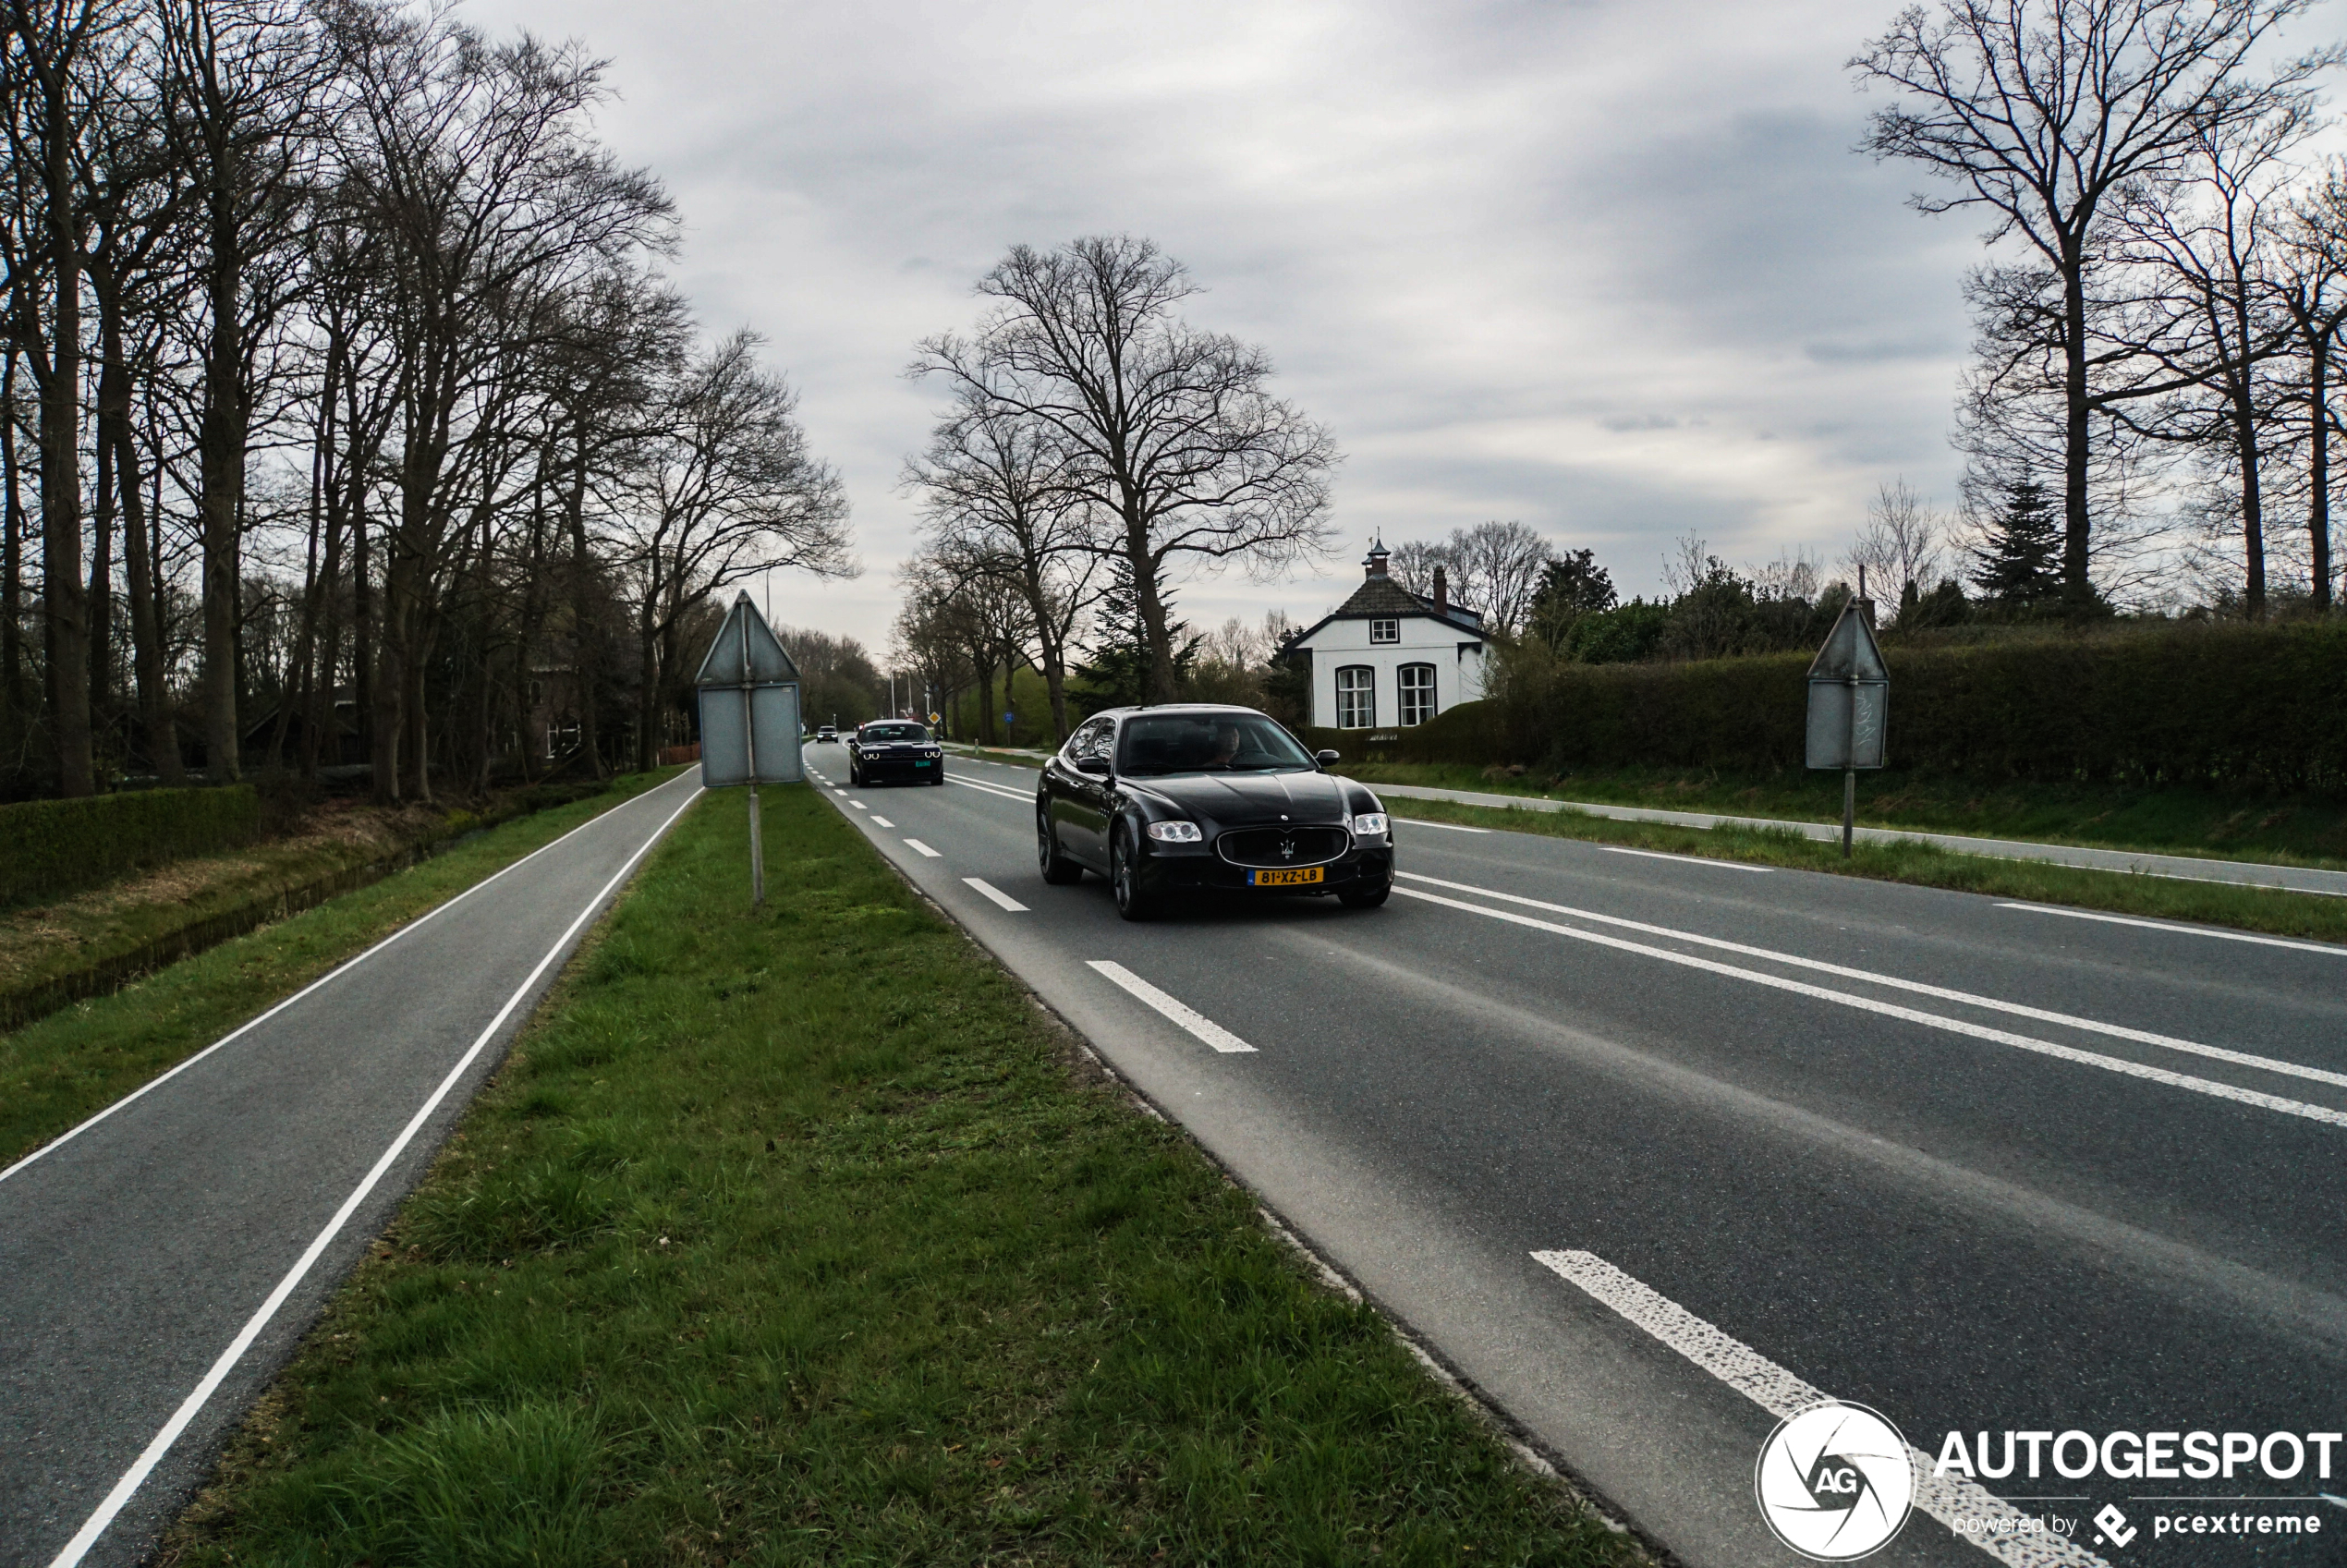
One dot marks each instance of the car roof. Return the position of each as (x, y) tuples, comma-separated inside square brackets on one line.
[(1178, 708)]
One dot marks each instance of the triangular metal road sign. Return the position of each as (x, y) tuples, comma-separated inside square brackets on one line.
[(767, 663), (1850, 651)]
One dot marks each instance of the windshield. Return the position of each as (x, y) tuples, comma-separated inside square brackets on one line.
[(1152, 745), (895, 732)]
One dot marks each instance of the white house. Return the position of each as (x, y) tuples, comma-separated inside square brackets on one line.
[(1388, 658)]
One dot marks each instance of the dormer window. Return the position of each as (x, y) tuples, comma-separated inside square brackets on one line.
[(1386, 631)]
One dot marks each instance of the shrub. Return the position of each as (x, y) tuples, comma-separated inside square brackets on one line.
[(2253, 706), (52, 847)]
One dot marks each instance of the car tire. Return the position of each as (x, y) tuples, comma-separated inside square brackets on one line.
[(1366, 897), (1057, 868), (1131, 902), (855, 777)]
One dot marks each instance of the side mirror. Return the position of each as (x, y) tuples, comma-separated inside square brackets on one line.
[(1325, 757), (1096, 765)]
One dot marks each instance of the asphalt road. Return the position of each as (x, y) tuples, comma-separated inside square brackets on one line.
[(157, 1267), (1654, 1150)]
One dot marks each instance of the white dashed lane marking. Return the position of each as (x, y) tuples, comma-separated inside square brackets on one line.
[(997, 894), (882, 823), (917, 847), (1946, 1498), (1197, 1024), (1690, 859)]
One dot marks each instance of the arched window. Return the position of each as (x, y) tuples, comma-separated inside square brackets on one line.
[(1417, 684), (1355, 697)]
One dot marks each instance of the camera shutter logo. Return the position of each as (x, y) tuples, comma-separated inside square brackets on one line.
[(1834, 1482)]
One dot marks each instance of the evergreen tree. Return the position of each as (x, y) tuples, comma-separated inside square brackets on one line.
[(2020, 562), (1116, 666)]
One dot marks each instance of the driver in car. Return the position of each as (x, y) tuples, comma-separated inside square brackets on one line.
[(1226, 745)]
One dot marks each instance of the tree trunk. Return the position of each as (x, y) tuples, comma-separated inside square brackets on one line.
[(61, 589), (586, 656), (392, 632), (118, 450), (2077, 587), (221, 479), (1158, 682), (102, 527), (12, 531), (2319, 470)]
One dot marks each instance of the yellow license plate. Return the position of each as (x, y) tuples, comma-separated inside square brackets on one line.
[(1287, 879)]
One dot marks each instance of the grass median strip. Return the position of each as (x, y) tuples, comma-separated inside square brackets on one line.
[(2167, 819), (1906, 860), (59, 1071), (799, 1236)]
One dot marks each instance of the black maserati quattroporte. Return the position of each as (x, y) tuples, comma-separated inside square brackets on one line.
[(1170, 800)]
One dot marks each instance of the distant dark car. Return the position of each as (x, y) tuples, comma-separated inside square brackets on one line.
[(1165, 801), (827, 736), (888, 749)]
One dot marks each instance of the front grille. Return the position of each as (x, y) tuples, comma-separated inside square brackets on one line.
[(1282, 846)]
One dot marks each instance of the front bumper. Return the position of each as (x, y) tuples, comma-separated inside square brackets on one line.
[(1198, 870), (911, 770)]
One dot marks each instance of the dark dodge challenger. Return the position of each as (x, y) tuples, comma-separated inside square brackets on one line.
[(1197, 799), (893, 748)]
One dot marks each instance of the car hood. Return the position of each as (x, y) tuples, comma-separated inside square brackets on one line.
[(1240, 799)]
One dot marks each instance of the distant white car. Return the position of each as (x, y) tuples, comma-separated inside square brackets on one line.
[(827, 733)]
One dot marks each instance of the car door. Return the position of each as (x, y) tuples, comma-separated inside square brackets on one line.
[(1080, 801)]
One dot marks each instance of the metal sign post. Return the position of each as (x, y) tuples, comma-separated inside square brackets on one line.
[(748, 691), (1849, 706)]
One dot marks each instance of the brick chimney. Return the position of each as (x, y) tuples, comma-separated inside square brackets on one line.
[(1376, 562), (1442, 591)]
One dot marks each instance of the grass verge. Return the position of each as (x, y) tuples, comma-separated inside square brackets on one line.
[(60, 1069), (798, 1237), (2302, 831), (2164, 898)]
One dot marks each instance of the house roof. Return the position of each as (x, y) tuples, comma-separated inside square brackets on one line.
[(1381, 597)]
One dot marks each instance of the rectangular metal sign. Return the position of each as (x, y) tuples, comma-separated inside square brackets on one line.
[(1839, 738), (727, 730)]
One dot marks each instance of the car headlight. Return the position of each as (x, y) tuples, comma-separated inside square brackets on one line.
[(1369, 824), (1175, 832)]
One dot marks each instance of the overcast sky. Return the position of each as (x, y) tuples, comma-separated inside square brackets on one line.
[(1608, 268)]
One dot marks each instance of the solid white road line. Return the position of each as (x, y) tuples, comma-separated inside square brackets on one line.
[(1203, 1027), (919, 849), (2335, 951), (348, 965), (1946, 1498), (1690, 859), (1455, 827), (991, 789), (87, 1537), (1931, 1020), (882, 823), (1943, 993), (997, 894)]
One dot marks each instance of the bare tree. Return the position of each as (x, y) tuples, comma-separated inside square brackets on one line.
[(1493, 568), (1171, 432), (2203, 242), (721, 488), (2040, 111), (993, 503), (1898, 546), (2309, 283)]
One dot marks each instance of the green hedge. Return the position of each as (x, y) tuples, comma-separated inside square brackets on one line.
[(2264, 707), (51, 846)]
